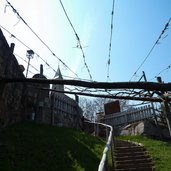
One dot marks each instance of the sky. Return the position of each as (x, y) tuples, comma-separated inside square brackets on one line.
[(136, 27)]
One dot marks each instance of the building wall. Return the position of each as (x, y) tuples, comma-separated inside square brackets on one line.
[(11, 95), (38, 101), (65, 111)]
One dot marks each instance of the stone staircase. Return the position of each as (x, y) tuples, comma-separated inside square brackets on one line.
[(130, 156)]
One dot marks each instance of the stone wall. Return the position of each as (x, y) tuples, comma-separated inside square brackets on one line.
[(38, 101), (146, 127), (12, 94)]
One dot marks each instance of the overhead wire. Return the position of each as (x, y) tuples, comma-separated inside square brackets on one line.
[(110, 41), (12, 35), (163, 70), (31, 72), (78, 39), (29, 65), (53, 54), (26, 62), (149, 53), (45, 62), (168, 67), (74, 78)]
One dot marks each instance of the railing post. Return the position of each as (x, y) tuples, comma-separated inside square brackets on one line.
[(106, 133), (167, 115), (106, 164), (94, 129), (112, 146), (97, 126)]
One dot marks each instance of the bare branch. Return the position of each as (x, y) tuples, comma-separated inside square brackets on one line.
[(108, 96)]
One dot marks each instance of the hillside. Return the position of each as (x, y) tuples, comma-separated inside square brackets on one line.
[(32, 147)]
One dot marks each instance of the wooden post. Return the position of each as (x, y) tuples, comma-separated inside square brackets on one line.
[(166, 109), (52, 110), (152, 105), (167, 115), (97, 130), (154, 113), (2, 86)]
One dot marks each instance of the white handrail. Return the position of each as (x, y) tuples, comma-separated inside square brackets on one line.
[(108, 144)]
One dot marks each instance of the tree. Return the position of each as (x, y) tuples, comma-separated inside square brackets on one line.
[(89, 108), (95, 105), (99, 102)]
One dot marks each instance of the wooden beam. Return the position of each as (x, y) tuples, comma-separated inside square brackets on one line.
[(151, 99), (148, 86)]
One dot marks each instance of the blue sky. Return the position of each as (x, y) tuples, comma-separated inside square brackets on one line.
[(136, 27)]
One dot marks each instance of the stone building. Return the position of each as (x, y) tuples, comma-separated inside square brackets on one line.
[(20, 101), (56, 108), (52, 107), (11, 95), (38, 101)]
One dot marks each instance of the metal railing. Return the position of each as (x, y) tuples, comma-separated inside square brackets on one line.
[(99, 129)]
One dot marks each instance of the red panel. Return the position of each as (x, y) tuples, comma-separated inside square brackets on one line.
[(112, 107)]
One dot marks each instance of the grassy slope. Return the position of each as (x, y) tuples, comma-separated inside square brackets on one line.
[(160, 151), (31, 147)]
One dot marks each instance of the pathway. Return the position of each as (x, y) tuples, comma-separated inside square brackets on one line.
[(130, 157)]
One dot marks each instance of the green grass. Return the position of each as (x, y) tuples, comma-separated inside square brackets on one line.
[(160, 151), (33, 147)]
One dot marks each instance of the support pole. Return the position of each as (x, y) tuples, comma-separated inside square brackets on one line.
[(28, 67), (152, 105), (167, 115), (97, 130), (166, 109), (29, 54)]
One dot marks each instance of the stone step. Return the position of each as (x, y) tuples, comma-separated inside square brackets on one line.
[(133, 161), (121, 143), (124, 144), (134, 165), (127, 149), (139, 153), (131, 157), (136, 169)]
